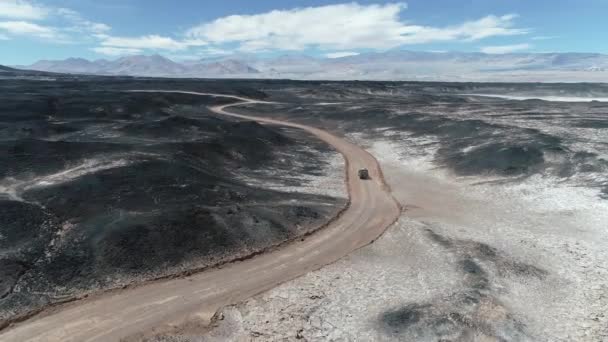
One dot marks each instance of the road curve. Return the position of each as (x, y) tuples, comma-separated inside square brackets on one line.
[(158, 306)]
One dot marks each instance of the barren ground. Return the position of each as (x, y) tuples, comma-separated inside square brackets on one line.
[(457, 266), (178, 304), (491, 248), (503, 237)]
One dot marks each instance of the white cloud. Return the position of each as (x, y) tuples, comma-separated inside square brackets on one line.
[(113, 51), (19, 9), (500, 49), (544, 37), (489, 26), (181, 57), (214, 51), (154, 42), (341, 54), (79, 24), (342, 26), (33, 21), (144, 42), (24, 28)]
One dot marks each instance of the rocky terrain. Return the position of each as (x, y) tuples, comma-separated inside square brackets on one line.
[(101, 189), (503, 237)]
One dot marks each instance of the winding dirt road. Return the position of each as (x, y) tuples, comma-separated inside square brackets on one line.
[(159, 306)]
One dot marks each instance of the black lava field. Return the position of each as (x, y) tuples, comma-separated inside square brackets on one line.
[(100, 188), (468, 135)]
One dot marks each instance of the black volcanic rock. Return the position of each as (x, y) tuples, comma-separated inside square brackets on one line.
[(101, 188)]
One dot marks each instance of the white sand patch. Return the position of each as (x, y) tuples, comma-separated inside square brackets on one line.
[(343, 301), (544, 98), (555, 227), (11, 188), (328, 103), (87, 167)]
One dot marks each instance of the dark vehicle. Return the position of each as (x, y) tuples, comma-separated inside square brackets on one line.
[(363, 174)]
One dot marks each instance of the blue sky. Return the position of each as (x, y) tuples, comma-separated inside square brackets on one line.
[(55, 29)]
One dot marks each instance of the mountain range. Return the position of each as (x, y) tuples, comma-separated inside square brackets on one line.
[(391, 65), (11, 73), (154, 65)]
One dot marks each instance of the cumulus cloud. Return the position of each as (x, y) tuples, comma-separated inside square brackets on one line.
[(215, 51), (24, 28), (80, 24), (488, 26), (341, 54), (19, 15), (152, 42), (28, 19), (544, 37), (338, 30), (500, 49), (144, 42), (115, 52), (342, 26), (19, 9)]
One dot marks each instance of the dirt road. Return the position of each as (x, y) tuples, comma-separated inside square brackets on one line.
[(158, 306)]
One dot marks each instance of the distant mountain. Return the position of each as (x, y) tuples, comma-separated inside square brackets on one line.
[(7, 72), (155, 65), (70, 65), (140, 65), (390, 65), (222, 67), (296, 66)]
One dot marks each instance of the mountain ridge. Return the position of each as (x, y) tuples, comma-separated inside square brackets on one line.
[(9, 72), (5, 68), (390, 65), (142, 65)]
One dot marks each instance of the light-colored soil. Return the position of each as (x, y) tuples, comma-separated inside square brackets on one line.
[(465, 262)]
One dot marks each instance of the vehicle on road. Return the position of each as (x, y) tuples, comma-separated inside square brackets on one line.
[(363, 174)]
